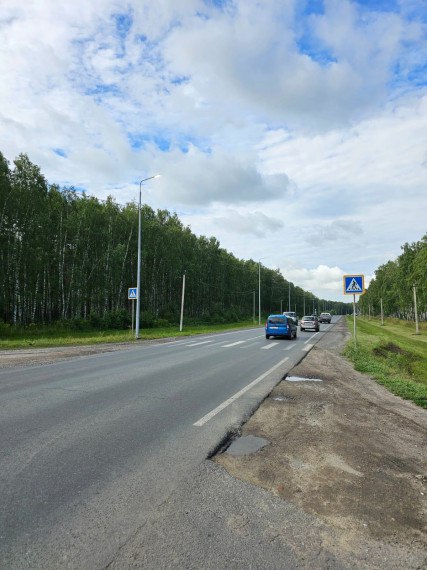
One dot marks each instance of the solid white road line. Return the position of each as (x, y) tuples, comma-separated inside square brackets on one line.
[(233, 344), (312, 336), (270, 345), (219, 408), (308, 347)]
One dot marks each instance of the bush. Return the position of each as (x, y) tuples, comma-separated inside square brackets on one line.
[(147, 320), (162, 323)]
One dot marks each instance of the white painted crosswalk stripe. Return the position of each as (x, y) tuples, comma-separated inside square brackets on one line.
[(197, 343), (269, 345), (233, 344)]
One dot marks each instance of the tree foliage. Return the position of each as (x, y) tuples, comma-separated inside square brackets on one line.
[(394, 284), (69, 257)]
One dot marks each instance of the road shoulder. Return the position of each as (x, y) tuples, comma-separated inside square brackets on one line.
[(347, 451)]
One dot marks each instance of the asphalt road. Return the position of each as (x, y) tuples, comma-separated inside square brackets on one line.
[(94, 448)]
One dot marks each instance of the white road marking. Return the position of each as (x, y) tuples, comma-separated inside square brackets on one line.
[(308, 347), (219, 408), (312, 336), (197, 343), (270, 345), (289, 347), (233, 344)]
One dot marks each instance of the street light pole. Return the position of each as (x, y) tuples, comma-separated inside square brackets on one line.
[(138, 268), (259, 292)]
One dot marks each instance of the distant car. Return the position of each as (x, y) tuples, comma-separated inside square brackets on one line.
[(280, 325), (309, 322), (292, 314), (325, 317)]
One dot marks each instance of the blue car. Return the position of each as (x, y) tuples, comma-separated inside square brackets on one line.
[(280, 325)]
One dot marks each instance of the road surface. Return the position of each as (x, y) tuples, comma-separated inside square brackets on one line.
[(92, 448)]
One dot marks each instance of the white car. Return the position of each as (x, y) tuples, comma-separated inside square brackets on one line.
[(292, 314)]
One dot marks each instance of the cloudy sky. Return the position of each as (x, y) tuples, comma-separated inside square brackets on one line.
[(293, 131)]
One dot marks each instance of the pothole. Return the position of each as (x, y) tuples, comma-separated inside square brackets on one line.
[(246, 444)]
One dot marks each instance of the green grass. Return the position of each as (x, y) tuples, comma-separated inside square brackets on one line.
[(42, 337), (393, 355)]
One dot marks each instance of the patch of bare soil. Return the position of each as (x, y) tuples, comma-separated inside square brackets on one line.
[(348, 451), (40, 356)]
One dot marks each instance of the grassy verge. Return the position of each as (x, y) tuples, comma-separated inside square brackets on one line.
[(393, 355), (42, 337)]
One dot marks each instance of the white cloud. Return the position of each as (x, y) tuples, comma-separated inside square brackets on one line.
[(197, 178), (259, 116), (255, 223), (324, 281)]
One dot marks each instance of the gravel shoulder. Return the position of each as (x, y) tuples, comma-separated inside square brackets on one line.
[(347, 451)]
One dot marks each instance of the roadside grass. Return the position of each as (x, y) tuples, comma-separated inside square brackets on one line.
[(393, 355), (44, 336)]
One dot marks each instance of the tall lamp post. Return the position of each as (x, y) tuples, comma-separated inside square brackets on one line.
[(259, 290), (138, 269)]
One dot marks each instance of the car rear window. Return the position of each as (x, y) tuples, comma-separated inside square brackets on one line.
[(277, 321), (308, 319)]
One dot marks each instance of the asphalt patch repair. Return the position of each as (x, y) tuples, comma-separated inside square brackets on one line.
[(346, 451)]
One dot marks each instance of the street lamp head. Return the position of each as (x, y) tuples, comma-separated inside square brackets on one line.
[(149, 178)]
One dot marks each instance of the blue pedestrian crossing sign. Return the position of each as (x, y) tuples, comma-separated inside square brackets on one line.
[(354, 284), (133, 293)]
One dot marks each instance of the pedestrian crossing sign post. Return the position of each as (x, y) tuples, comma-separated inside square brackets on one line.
[(133, 295), (354, 285)]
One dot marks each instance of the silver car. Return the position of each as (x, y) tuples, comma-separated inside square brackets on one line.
[(309, 322)]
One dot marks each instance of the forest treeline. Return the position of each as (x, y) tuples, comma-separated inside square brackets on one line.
[(394, 283), (68, 257)]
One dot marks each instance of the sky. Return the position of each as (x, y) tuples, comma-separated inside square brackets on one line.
[(293, 131)]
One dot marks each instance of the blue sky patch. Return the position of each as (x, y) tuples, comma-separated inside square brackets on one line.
[(60, 152), (138, 141), (313, 7), (379, 5), (179, 80), (123, 24)]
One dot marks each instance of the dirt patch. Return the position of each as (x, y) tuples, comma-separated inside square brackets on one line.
[(390, 348), (348, 451), (41, 356)]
